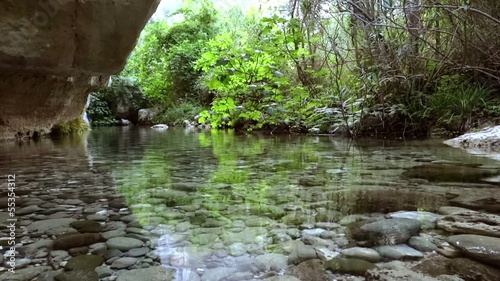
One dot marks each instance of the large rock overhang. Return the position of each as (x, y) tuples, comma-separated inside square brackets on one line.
[(54, 52)]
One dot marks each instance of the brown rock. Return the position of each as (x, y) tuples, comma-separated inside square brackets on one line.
[(471, 270), (76, 240), (52, 53), (80, 275), (487, 200), (310, 270), (71, 36), (85, 226), (79, 251), (117, 203), (433, 265)]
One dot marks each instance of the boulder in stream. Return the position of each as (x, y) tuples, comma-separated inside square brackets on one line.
[(481, 248), (486, 140), (390, 231)]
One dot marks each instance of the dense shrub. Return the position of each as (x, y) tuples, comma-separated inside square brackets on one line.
[(176, 115), (163, 62), (122, 90), (99, 113), (350, 67), (77, 125)]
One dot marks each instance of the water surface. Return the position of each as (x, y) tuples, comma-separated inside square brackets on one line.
[(209, 199)]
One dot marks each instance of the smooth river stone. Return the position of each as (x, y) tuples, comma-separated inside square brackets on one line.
[(313, 232), (51, 226), (80, 275), (237, 249), (113, 233), (422, 244), (24, 274), (272, 261), (137, 252), (86, 263), (103, 271), (300, 252), (85, 226), (477, 247), (399, 252), (391, 231), (366, 254), (124, 262), (155, 273), (28, 210), (327, 225), (426, 219), (97, 217), (124, 243)]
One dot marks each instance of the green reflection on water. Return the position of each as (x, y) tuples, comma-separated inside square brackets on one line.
[(290, 179)]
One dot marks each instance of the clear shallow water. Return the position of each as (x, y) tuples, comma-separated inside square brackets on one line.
[(213, 199)]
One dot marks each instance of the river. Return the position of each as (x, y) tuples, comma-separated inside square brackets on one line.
[(220, 205)]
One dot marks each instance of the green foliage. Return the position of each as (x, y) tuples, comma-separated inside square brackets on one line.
[(253, 87), (147, 63), (493, 108), (177, 114), (248, 84), (77, 126), (163, 61), (323, 67), (456, 101), (99, 113), (122, 90)]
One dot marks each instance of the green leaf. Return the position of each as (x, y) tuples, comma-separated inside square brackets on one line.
[(214, 84)]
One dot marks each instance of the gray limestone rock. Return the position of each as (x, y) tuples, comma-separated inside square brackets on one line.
[(482, 248), (399, 252), (390, 231), (366, 254), (124, 243)]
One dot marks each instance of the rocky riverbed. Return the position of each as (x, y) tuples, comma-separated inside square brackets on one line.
[(103, 241), (397, 220)]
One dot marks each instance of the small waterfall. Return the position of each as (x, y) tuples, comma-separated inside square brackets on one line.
[(84, 116)]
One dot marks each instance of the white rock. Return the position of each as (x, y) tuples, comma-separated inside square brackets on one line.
[(159, 127), (484, 142)]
